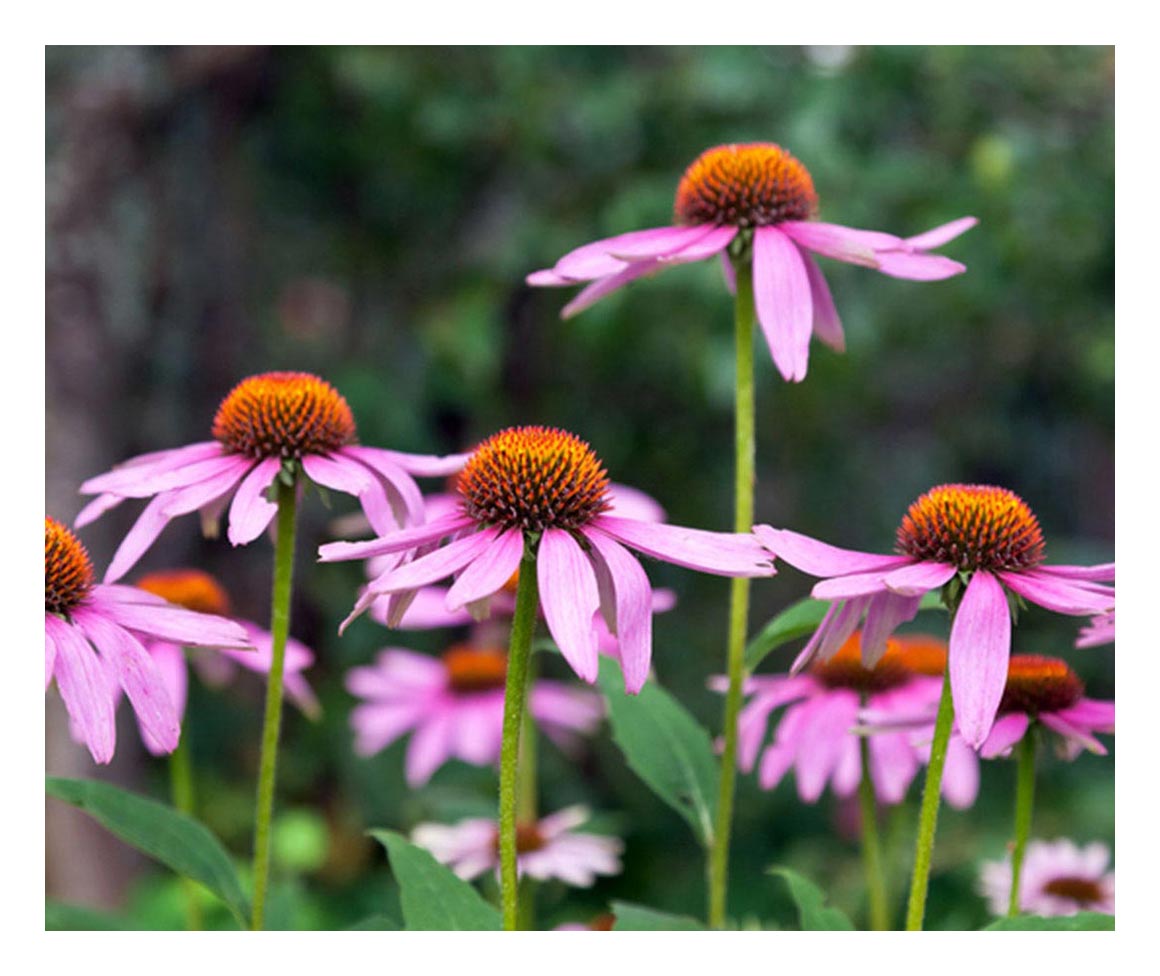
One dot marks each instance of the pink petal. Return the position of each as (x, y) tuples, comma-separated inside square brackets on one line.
[(632, 595), (168, 622), (96, 508), (1059, 594), (839, 623), (396, 541), (917, 266), (161, 471), (1102, 573), (49, 652), (960, 785), (781, 292), (84, 685), (338, 473), (250, 512), (418, 465), (138, 539), (893, 765), (939, 236), (844, 587), (918, 578), (569, 598), (547, 278), (443, 562), (835, 241), (720, 553), (1007, 730), (1072, 733), (174, 671), (820, 559), (827, 325), (659, 242), (427, 611), (980, 647), (489, 572), (397, 674), (377, 726), (397, 479), (715, 242), (729, 273), (884, 614), (556, 705), (606, 286), (430, 748), (819, 748), (629, 502), (596, 260)]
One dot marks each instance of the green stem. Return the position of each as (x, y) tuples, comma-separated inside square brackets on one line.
[(526, 806), (1024, 801), (280, 629), (743, 466), (515, 692), (181, 788), (928, 815), (871, 846)]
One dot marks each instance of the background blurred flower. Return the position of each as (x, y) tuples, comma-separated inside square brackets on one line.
[(1059, 878), (1101, 630)]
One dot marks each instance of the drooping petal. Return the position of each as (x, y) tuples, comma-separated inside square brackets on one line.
[(980, 647), (1007, 730), (84, 685), (632, 596), (376, 725), (138, 539), (841, 243), (250, 512), (49, 653), (151, 474), (884, 614), (590, 295), (835, 629), (720, 553), (168, 622), (418, 465), (820, 559), (729, 273), (602, 258), (960, 785), (844, 587), (1075, 598), (819, 748), (174, 671), (96, 508), (443, 562), (918, 578), (661, 242), (893, 765), (629, 502), (396, 478), (827, 324), (1073, 734), (754, 718), (397, 541), (938, 236), (337, 473), (569, 599), (781, 294), (1101, 573), (489, 571), (918, 265), (715, 242), (397, 674), (430, 748), (182, 501)]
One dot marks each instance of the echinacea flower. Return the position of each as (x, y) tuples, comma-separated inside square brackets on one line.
[(819, 736), (543, 490), (454, 706), (93, 636), (754, 201), (1099, 631), (199, 591), (1058, 878), (267, 424), (986, 538), (549, 848)]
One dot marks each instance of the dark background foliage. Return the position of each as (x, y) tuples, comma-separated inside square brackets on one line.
[(369, 214)]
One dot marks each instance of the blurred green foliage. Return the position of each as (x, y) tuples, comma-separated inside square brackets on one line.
[(369, 214)]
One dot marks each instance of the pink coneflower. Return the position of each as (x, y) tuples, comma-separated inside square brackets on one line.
[(1058, 878), (986, 538), (545, 490), (548, 848), (93, 636), (454, 707), (816, 735), (1099, 631), (755, 201), (199, 591), (267, 424)]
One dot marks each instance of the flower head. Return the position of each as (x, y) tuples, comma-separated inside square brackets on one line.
[(199, 591), (543, 491), (453, 705), (754, 202), (267, 425), (989, 540), (818, 734), (1058, 878), (93, 646), (548, 848)]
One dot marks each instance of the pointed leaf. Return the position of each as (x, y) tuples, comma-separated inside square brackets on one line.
[(433, 897), (173, 838), (665, 747), (813, 914), (1083, 922), (640, 918)]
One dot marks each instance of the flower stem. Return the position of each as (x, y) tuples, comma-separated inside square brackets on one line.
[(181, 789), (280, 629), (871, 847), (515, 692), (526, 806), (743, 467), (1024, 800), (928, 815)]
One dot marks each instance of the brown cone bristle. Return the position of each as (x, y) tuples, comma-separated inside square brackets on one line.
[(68, 571), (972, 527), (283, 415), (189, 588), (1039, 684), (904, 658), (471, 669), (747, 185), (534, 478)]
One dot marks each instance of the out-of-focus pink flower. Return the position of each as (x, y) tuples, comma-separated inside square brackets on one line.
[(264, 424), (1058, 878), (1101, 630), (755, 201), (544, 490), (93, 636), (818, 735), (454, 707), (548, 848), (986, 537)]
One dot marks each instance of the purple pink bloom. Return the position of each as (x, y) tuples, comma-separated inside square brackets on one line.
[(453, 706), (94, 637), (988, 540), (818, 735), (266, 425), (545, 490), (1099, 631), (198, 591), (549, 848), (755, 202), (1058, 878)]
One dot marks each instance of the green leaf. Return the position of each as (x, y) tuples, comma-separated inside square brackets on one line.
[(1083, 922), (376, 923), (813, 914), (176, 840), (434, 899), (665, 747), (638, 918), (59, 917)]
